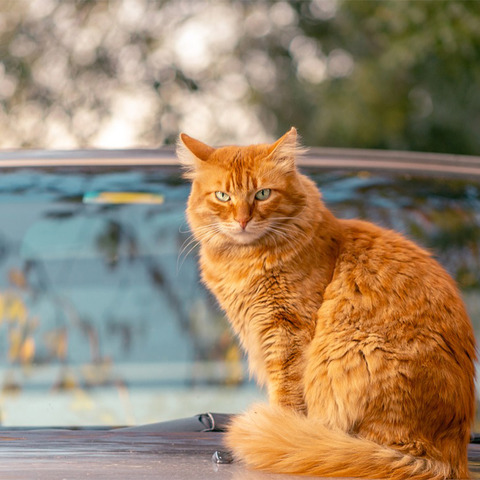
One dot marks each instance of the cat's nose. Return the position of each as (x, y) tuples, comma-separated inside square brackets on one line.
[(242, 214), (242, 222)]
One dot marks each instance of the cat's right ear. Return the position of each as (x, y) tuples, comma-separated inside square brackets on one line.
[(286, 150), (191, 153)]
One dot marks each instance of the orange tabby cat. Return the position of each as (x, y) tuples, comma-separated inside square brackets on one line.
[(360, 336)]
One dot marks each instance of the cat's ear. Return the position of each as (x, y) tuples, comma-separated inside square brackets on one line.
[(286, 150), (191, 153)]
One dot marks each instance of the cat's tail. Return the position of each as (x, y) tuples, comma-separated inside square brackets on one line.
[(280, 441)]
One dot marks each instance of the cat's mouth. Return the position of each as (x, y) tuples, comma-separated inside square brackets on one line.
[(244, 236)]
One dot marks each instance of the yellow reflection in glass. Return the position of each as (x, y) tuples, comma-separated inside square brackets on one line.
[(123, 197)]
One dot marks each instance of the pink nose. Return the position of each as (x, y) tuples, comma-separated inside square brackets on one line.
[(242, 222)]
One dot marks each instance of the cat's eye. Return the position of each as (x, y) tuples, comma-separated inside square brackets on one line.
[(222, 196), (263, 194)]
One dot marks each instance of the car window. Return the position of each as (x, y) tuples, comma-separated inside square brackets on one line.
[(102, 310), (104, 320)]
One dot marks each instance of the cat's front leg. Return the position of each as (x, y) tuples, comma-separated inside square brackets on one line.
[(284, 364)]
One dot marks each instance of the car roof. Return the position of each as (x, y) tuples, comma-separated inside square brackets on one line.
[(427, 163), (119, 454)]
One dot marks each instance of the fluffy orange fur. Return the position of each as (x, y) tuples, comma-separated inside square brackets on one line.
[(359, 335)]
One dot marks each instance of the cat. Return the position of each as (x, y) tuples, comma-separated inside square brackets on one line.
[(359, 335)]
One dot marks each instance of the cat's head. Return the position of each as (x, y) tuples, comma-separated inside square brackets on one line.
[(243, 195)]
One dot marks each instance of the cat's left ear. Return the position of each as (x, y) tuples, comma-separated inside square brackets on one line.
[(191, 153), (286, 150)]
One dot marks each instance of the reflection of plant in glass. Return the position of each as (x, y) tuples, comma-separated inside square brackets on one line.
[(114, 236), (20, 328), (119, 241), (56, 342), (26, 346)]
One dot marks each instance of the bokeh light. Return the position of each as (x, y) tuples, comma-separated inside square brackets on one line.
[(133, 73)]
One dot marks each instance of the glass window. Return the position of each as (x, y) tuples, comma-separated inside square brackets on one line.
[(103, 318)]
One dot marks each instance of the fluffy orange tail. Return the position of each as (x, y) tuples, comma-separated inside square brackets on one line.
[(280, 441)]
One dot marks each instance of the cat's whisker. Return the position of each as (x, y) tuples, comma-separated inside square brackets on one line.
[(187, 249), (285, 218), (292, 227), (189, 245), (275, 235), (193, 247), (182, 227), (190, 241), (186, 241), (287, 232)]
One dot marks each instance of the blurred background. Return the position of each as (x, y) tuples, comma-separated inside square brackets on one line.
[(130, 73)]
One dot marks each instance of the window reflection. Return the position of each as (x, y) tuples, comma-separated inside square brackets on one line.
[(96, 291), (103, 319)]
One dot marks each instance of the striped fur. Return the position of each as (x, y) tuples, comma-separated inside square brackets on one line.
[(359, 335)]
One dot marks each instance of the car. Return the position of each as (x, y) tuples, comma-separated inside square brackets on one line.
[(108, 336)]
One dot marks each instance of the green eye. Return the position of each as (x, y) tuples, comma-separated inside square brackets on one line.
[(263, 194), (222, 196)]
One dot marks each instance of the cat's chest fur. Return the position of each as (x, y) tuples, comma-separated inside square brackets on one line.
[(257, 286), (262, 294)]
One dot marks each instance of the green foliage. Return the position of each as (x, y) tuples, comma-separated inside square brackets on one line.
[(370, 74), (414, 82)]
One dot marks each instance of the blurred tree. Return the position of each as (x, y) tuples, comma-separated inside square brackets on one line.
[(124, 73), (402, 75)]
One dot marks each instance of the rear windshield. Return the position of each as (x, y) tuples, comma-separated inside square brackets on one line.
[(104, 320)]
